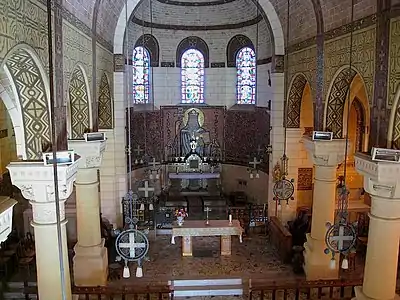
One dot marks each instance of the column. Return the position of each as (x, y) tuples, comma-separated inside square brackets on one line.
[(90, 260), (326, 156), (382, 182), (36, 184)]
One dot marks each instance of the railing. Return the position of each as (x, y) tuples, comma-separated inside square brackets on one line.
[(137, 292), (301, 289)]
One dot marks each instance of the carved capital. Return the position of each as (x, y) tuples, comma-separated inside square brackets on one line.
[(91, 153), (325, 153)]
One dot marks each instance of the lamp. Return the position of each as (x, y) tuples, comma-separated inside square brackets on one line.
[(126, 273), (257, 175), (251, 175), (151, 207), (141, 207), (139, 272), (279, 206), (345, 263), (158, 175), (332, 264)]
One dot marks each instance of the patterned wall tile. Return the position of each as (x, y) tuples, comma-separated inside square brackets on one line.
[(79, 104), (31, 90), (394, 62), (294, 101), (305, 179), (105, 114)]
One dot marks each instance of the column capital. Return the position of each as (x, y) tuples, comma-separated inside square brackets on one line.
[(91, 153), (326, 153), (36, 181)]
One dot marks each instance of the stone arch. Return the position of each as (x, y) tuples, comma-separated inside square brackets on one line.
[(150, 43), (236, 43), (295, 97), (267, 10), (337, 96), (28, 101), (196, 43), (105, 113), (79, 105), (394, 123)]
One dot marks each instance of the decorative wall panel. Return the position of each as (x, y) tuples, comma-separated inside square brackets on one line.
[(337, 100), (394, 61), (105, 114), (34, 103), (294, 101), (305, 179), (79, 104), (247, 136)]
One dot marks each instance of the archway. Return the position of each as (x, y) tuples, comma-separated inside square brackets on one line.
[(349, 120), (394, 123), (25, 93), (79, 108)]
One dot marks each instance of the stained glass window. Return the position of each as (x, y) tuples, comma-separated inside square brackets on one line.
[(141, 73), (192, 76), (246, 76)]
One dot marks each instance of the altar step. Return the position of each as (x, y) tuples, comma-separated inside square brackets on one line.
[(15, 291), (207, 287)]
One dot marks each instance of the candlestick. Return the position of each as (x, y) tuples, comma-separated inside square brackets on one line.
[(230, 219)]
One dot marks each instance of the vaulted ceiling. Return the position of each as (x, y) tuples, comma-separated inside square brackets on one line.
[(306, 16)]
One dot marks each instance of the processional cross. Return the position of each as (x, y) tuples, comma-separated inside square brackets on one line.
[(146, 189), (255, 162)]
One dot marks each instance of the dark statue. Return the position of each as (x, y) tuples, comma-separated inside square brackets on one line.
[(193, 131)]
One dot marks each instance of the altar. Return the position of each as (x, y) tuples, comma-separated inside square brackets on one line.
[(193, 228)]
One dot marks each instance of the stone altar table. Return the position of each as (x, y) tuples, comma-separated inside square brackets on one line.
[(193, 228)]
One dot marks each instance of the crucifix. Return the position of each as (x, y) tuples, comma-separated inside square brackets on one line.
[(255, 162), (207, 209), (340, 238), (138, 150), (146, 189), (154, 163), (132, 245)]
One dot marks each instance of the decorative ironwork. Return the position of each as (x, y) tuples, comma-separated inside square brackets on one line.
[(283, 190), (132, 245)]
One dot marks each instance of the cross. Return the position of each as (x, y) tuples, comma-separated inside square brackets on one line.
[(260, 150), (138, 150), (132, 245), (146, 189), (254, 163), (341, 238), (154, 163)]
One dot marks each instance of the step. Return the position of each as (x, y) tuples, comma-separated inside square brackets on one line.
[(20, 284), (206, 282), (214, 290), (17, 294)]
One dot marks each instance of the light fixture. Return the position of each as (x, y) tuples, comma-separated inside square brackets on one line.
[(141, 207), (251, 175), (139, 272), (279, 207), (136, 162), (332, 264), (126, 273), (151, 207), (157, 175), (345, 263), (257, 175), (151, 175)]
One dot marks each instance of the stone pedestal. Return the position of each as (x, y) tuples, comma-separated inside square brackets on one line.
[(90, 260), (326, 156), (36, 183), (382, 182)]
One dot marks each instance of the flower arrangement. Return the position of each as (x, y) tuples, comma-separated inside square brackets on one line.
[(181, 213)]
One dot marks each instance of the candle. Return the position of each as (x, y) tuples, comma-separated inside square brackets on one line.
[(230, 218)]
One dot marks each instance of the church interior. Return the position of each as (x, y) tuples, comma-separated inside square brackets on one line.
[(199, 149)]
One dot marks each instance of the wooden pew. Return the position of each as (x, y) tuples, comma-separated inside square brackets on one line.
[(281, 239)]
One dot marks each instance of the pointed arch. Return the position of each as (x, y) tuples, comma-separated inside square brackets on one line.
[(79, 106), (150, 43), (30, 109), (105, 114), (236, 43), (192, 42), (337, 96), (295, 96)]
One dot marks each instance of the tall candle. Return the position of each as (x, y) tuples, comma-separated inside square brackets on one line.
[(230, 218)]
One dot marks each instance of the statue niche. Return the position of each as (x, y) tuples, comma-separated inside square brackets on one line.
[(193, 120)]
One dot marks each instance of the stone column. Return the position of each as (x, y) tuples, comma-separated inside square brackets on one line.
[(90, 260), (36, 183), (382, 182), (326, 156)]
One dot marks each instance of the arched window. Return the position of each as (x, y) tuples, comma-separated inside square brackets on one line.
[(192, 76), (141, 75), (246, 76)]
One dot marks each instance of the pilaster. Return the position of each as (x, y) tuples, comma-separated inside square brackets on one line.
[(90, 260), (326, 155), (382, 182), (36, 182)]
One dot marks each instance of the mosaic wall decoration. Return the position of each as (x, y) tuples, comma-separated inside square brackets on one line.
[(105, 114), (79, 104), (336, 102), (294, 101), (394, 63), (305, 179), (31, 90)]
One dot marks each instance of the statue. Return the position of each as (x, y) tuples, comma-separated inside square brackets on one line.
[(192, 131)]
